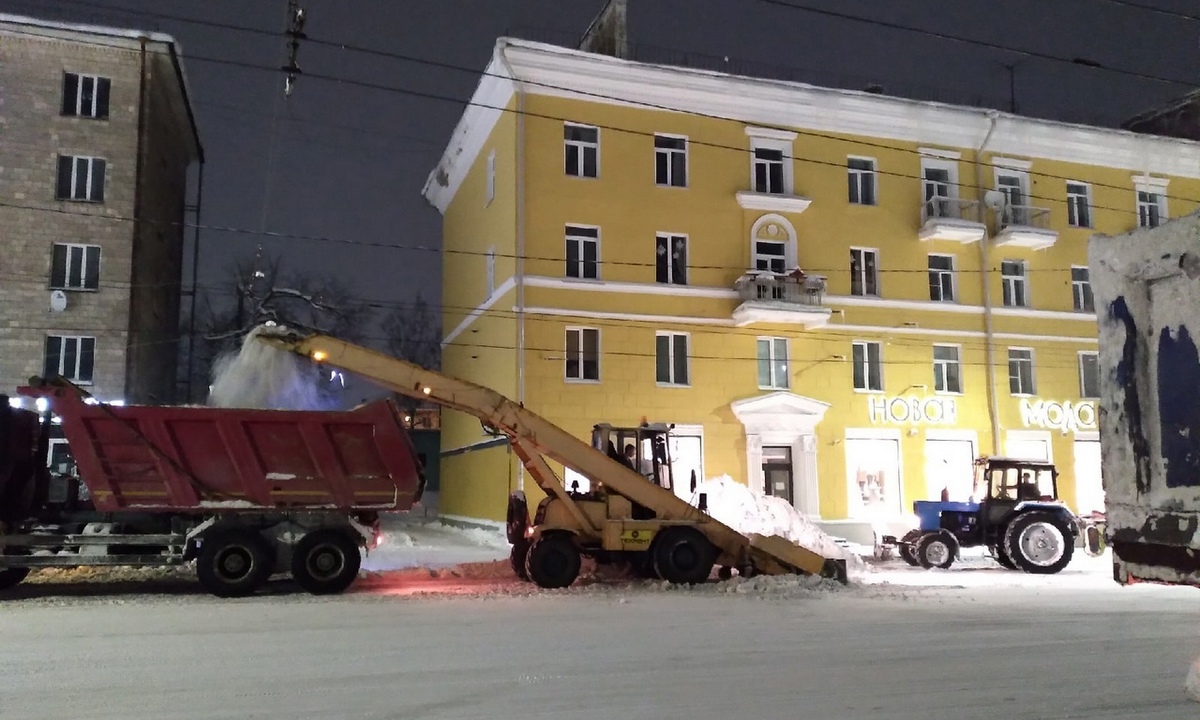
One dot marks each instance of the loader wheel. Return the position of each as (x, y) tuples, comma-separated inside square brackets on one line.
[(516, 558), (518, 517), (10, 577), (935, 550), (1039, 543), (907, 552), (683, 556), (325, 562), (553, 561), (234, 563)]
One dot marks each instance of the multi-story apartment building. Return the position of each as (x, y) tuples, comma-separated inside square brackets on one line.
[(838, 297), (97, 137)]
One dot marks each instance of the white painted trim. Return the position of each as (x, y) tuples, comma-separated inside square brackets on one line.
[(940, 163), (1087, 436), (771, 134), (1150, 183), (790, 245), (1044, 314), (472, 316), (881, 329), (637, 317), (613, 286), (1012, 163), (940, 153), (770, 202)]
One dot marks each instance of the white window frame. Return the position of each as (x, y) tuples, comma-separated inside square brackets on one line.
[(491, 178), (1022, 178), (671, 335), (950, 166), (83, 250), (91, 160), (1015, 280), (669, 152), (582, 240), (859, 177), (863, 271), (773, 382), (93, 113), (78, 339), (1077, 290), (866, 346), (1082, 385), (490, 270), (1157, 186), (952, 273), (1032, 360), (940, 370), (583, 146), (771, 139), (567, 348), (671, 237), (1072, 206)]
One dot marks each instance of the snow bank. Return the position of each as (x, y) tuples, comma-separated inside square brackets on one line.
[(265, 377), (1193, 681), (748, 512)]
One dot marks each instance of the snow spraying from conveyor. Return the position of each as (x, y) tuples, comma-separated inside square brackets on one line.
[(263, 376)]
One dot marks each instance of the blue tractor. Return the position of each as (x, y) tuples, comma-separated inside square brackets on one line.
[(1018, 517)]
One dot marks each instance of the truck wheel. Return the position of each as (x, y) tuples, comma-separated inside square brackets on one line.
[(1002, 557), (908, 552), (935, 550), (325, 562), (10, 577), (234, 563), (553, 561), (517, 518), (1039, 543), (517, 559), (683, 556)]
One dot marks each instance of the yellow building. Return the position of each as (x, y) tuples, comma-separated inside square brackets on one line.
[(838, 297)]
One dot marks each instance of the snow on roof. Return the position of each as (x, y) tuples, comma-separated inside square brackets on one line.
[(131, 34)]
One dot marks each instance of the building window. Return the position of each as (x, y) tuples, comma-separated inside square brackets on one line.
[(490, 269), (75, 267), (1089, 375), (861, 173), (947, 369), (770, 256), (85, 96), (671, 358), (868, 366), (583, 252), (1012, 274), (941, 278), (1151, 208), (1079, 205), (1020, 371), (864, 272), (769, 170), (491, 177), (71, 357), (773, 363), (583, 354), (80, 178), (582, 150), (1081, 289), (670, 160), (670, 259)]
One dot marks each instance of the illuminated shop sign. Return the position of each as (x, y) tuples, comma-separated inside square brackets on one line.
[(1062, 416), (905, 410)]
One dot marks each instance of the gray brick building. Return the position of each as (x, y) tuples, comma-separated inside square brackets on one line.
[(97, 138)]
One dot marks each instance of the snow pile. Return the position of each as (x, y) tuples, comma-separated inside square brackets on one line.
[(748, 512), (480, 536), (263, 376), (1193, 681)]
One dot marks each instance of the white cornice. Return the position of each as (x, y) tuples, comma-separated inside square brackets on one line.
[(940, 153), (636, 317), (768, 202), (1012, 163), (557, 283), (771, 133), (474, 315), (1158, 183)]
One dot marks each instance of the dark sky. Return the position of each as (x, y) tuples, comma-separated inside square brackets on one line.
[(350, 162)]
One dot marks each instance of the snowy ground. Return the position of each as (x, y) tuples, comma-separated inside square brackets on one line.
[(437, 628)]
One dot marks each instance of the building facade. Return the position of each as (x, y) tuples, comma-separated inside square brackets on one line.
[(838, 297), (97, 137)]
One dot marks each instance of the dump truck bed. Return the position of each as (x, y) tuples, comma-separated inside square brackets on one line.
[(1147, 293), (186, 458)]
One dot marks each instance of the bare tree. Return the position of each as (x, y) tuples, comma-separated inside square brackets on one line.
[(413, 333)]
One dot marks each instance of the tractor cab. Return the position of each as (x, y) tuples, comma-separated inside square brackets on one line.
[(644, 448), (1009, 481)]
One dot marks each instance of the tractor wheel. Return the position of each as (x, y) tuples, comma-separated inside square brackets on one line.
[(325, 562), (683, 556), (1039, 543), (553, 560), (935, 551), (518, 517), (908, 552), (517, 558), (1002, 557), (234, 563)]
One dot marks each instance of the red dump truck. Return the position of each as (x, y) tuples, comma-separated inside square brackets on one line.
[(245, 493)]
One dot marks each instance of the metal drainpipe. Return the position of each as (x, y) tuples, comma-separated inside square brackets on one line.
[(195, 282), (519, 271), (985, 275)]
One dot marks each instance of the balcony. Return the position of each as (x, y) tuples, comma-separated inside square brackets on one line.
[(951, 219), (788, 298), (1025, 227)]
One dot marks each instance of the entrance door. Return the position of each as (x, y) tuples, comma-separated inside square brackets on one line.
[(777, 472), (687, 457), (950, 466), (1089, 490)]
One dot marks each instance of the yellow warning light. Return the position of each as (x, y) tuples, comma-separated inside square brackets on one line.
[(319, 355)]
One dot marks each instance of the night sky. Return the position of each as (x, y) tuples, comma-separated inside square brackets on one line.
[(349, 162)]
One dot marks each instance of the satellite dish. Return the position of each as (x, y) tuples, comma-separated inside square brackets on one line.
[(994, 199), (58, 301)]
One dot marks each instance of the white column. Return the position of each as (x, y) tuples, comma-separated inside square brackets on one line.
[(808, 496), (754, 472)]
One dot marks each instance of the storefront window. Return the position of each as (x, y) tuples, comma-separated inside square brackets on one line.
[(874, 477)]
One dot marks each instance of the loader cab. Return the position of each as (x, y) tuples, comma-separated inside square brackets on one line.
[(644, 448)]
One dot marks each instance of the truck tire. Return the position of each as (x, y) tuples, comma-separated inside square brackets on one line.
[(11, 577), (936, 550), (516, 558), (553, 561), (325, 562), (1002, 557), (683, 556), (517, 519), (234, 563), (907, 552), (1039, 543)]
